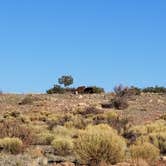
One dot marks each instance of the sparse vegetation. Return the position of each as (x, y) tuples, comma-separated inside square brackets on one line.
[(75, 128)]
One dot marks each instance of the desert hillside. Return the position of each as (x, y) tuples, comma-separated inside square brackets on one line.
[(38, 120)]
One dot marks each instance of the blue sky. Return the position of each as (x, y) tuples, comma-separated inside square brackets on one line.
[(99, 42)]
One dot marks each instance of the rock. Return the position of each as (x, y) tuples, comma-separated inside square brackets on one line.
[(163, 158), (43, 161), (159, 101), (67, 164), (80, 96), (82, 104), (59, 159), (123, 164)]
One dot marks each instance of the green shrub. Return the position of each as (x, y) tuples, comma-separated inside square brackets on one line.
[(97, 90), (11, 145), (62, 146), (99, 143), (145, 151), (156, 89), (66, 80), (56, 89)]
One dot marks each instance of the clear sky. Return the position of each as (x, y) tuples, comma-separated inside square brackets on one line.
[(98, 42)]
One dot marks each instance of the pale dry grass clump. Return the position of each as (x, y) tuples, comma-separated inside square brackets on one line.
[(100, 143), (145, 151), (154, 133), (11, 145), (44, 138), (62, 146)]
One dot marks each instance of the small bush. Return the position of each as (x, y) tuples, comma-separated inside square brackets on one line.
[(89, 110), (155, 127), (107, 117), (93, 89), (119, 103), (70, 90), (141, 133), (45, 138), (145, 151), (62, 146), (98, 90), (78, 122), (56, 89), (157, 139), (111, 115), (27, 100), (57, 119), (99, 143), (11, 145), (120, 90), (156, 89)]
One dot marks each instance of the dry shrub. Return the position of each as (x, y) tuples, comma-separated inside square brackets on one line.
[(135, 132), (62, 146), (89, 110), (99, 143), (58, 119), (121, 90), (11, 145), (63, 131), (78, 122), (44, 138), (29, 99), (145, 151), (119, 103), (158, 139), (13, 128)]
